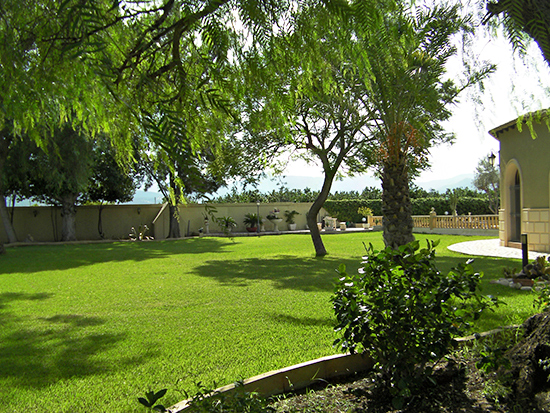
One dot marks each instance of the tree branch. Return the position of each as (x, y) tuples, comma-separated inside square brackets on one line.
[(180, 27)]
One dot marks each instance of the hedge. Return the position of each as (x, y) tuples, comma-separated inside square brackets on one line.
[(346, 210)]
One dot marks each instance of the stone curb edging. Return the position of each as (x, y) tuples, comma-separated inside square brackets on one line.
[(302, 375), (296, 377), (496, 331)]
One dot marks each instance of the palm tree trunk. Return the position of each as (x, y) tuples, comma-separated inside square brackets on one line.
[(396, 204)]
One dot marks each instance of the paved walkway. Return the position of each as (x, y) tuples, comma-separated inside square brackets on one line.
[(490, 248)]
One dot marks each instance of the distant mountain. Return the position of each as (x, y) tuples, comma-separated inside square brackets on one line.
[(347, 184), (147, 197), (459, 181), (141, 197), (357, 183)]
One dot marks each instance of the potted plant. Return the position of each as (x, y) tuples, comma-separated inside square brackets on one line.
[(251, 222), (289, 216), (226, 224), (274, 214)]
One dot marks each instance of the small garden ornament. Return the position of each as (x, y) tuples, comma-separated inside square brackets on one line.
[(273, 216)]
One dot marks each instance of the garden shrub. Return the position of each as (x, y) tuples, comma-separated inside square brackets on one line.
[(542, 299), (404, 312), (346, 209), (475, 206), (465, 205)]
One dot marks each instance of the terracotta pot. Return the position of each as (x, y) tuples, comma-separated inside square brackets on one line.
[(524, 281)]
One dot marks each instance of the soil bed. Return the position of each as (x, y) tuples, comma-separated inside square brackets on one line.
[(461, 387)]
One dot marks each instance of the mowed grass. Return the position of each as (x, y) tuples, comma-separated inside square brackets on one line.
[(89, 328)]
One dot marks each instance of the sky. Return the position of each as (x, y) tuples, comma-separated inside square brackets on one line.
[(519, 85)]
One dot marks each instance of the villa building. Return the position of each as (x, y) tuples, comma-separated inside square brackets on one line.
[(525, 181)]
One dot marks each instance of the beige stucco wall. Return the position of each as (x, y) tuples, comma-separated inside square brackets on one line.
[(533, 158), (43, 224), (530, 158)]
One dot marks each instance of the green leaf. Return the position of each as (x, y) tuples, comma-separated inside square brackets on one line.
[(160, 394), (144, 402)]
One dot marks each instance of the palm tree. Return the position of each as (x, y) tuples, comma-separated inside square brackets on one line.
[(410, 99), (522, 18)]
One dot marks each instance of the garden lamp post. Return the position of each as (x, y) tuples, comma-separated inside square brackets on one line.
[(492, 158), (258, 217)]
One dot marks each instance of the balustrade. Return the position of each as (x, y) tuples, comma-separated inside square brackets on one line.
[(449, 221)]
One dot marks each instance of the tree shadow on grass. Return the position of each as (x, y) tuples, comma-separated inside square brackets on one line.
[(60, 347), (6, 298), (319, 274), (284, 272), (491, 267), (303, 321), (34, 259)]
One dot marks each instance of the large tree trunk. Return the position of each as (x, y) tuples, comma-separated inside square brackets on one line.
[(68, 214), (528, 374), (311, 216), (5, 140), (6, 221), (174, 231), (396, 204)]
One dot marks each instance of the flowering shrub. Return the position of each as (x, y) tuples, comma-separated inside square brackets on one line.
[(364, 211)]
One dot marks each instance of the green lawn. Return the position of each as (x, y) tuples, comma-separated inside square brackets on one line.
[(89, 328)]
